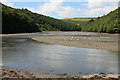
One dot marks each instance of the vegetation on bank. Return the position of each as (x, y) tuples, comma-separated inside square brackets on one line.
[(15, 21), (108, 23), (23, 20)]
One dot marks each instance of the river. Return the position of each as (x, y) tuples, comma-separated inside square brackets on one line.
[(24, 53)]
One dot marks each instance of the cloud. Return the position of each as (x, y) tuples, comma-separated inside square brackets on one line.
[(49, 8), (92, 8), (99, 7), (7, 3), (67, 12), (100, 3), (95, 4), (98, 11), (55, 7), (2, 1)]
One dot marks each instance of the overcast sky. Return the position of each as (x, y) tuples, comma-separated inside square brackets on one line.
[(66, 8)]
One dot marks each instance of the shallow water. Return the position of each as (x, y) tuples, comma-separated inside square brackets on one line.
[(23, 53)]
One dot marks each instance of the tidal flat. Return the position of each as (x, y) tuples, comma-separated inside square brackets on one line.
[(95, 41)]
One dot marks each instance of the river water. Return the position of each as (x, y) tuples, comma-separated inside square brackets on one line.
[(23, 53)]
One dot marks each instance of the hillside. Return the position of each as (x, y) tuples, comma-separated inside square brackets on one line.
[(108, 23), (13, 21), (23, 20)]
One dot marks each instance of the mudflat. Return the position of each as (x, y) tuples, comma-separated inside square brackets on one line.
[(95, 41)]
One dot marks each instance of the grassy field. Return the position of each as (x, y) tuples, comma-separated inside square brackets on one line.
[(79, 21), (80, 18)]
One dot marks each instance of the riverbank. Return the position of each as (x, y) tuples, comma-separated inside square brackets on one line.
[(94, 41), (11, 73)]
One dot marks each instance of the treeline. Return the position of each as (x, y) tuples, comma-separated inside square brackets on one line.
[(23, 20), (13, 21), (109, 23)]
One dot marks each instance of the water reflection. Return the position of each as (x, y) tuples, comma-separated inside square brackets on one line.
[(103, 59), (40, 57)]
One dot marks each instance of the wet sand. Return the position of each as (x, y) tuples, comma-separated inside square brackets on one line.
[(95, 41)]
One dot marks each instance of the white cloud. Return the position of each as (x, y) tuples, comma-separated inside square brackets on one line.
[(99, 7), (66, 12), (103, 0), (9, 4), (49, 8), (93, 8), (2, 1), (60, 0), (98, 11), (57, 7), (100, 3), (95, 4)]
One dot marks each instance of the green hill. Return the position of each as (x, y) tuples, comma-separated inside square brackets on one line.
[(15, 21), (23, 20), (108, 23)]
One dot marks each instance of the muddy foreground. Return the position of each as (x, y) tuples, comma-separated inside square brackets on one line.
[(12, 73)]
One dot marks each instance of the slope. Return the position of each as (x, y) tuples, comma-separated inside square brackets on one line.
[(108, 23), (23, 20)]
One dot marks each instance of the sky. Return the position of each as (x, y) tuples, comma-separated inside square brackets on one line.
[(66, 8)]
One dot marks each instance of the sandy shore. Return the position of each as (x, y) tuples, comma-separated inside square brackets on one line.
[(95, 41), (15, 73)]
